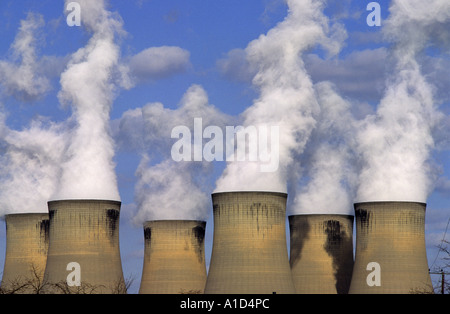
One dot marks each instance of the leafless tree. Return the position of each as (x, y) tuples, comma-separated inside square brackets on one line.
[(35, 284)]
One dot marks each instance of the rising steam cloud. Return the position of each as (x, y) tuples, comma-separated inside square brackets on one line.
[(396, 143), (72, 159), (30, 157), (329, 159), (387, 155), (167, 189), (29, 166), (87, 86), (287, 97)]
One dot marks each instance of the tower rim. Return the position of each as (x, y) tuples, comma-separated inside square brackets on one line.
[(82, 200), (356, 204)]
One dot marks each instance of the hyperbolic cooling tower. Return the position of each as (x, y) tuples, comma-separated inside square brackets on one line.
[(174, 257), (26, 252), (321, 254), (85, 232), (392, 235), (249, 254)]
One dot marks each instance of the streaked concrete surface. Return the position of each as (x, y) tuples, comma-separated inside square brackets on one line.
[(321, 253), (174, 257), (26, 251), (391, 234), (249, 253), (85, 232)]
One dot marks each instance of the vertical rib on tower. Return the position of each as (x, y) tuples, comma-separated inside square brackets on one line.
[(26, 252), (321, 253), (391, 234), (249, 253), (85, 232), (174, 257)]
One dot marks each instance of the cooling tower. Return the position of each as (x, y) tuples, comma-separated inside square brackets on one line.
[(249, 253), (390, 252), (321, 253), (174, 257), (85, 232), (26, 252)]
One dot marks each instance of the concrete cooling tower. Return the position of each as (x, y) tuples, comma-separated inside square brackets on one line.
[(321, 253), (83, 253), (174, 257), (26, 252), (249, 253), (390, 255)]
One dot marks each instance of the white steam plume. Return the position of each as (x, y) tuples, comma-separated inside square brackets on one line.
[(329, 159), (30, 158), (396, 143), (29, 166), (88, 87), (287, 98), (167, 189)]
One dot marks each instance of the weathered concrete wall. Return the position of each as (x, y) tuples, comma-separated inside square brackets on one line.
[(85, 232), (249, 252), (321, 253), (174, 257), (391, 234), (26, 251)]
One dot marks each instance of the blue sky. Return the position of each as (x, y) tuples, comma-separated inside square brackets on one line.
[(207, 42)]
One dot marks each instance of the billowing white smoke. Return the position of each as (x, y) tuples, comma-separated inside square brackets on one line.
[(30, 157), (329, 160), (29, 166), (87, 86), (396, 143), (287, 99), (169, 189), (73, 159)]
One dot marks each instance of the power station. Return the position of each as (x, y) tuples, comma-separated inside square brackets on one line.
[(321, 253), (249, 253), (249, 250), (174, 257), (26, 252), (84, 233), (390, 255)]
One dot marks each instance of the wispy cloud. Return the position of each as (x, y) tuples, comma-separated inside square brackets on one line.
[(21, 76)]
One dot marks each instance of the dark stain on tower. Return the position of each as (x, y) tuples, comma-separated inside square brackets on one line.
[(148, 234), (298, 234), (249, 253), (174, 260), (337, 240), (199, 237), (321, 253), (113, 219)]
